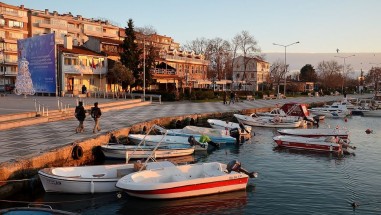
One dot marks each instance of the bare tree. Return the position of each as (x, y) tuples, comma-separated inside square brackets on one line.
[(218, 52), (198, 46), (329, 74), (277, 71), (248, 46), (146, 30), (373, 77)]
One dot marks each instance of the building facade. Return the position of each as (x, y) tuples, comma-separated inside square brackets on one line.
[(250, 73), (13, 26)]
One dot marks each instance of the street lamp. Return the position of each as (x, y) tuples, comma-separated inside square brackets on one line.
[(342, 85), (3, 59), (285, 63)]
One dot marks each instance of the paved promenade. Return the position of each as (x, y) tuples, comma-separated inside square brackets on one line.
[(31, 140)]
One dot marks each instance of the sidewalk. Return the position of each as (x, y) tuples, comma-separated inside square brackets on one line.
[(31, 140)]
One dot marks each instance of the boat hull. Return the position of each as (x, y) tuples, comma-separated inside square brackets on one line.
[(183, 181), (313, 133), (307, 143), (248, 120), (82, 180), (372, 113), (121, 152)]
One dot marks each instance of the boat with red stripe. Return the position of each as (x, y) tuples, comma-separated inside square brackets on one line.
[(186, 180)]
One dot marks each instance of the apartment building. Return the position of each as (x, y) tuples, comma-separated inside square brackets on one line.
[(13, 26), (250, 73)]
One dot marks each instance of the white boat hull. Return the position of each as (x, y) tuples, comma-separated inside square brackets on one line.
[(86, 179), (315, 132), (318, 144), (372, 113), (223, 125), (266, 122), (122, 151), (182, 181)]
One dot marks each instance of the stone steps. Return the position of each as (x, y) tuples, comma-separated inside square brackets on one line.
[(10, 121)]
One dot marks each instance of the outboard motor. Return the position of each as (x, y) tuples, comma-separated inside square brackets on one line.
[(235, 166), (193, 142), (234, 132)]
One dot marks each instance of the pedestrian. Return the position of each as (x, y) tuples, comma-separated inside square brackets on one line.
[(225, 97), (84, 89), (96, 113), (345, 94), (80, 114), (232, 97)]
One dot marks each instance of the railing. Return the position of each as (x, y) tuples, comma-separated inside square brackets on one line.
[(41, 109), (150, 96)]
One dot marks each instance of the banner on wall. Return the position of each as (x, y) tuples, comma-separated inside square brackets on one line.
[(39, 51)]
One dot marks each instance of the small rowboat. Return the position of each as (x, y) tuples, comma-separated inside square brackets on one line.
[(119, 151), (328, 144), (316, 132)]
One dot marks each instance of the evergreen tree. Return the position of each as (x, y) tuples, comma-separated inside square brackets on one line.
[(308, 73), (152, 54), (130, 57)]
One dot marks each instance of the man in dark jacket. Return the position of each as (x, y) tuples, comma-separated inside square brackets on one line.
[(96, 113), (80, 114)]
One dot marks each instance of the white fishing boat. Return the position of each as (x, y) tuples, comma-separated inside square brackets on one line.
[(186, 180), (153, 140), (264, 121), (225, 125), (216, 135), (328, 144), (316, 132), (87, 179), (336, 110), (372, 113), (118, 151)]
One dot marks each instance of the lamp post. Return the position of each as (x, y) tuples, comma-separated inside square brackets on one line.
[(285, 63), (3, 59), (144, 68), (342, 85)]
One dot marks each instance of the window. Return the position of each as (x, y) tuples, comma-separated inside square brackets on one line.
[(2, 22), (15, 24)]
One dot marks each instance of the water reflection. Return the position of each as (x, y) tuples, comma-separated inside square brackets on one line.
[(212, 204)]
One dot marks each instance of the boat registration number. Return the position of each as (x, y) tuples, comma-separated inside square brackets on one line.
[(50, 181)]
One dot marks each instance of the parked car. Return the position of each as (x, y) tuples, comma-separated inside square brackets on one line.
[(2, 88)]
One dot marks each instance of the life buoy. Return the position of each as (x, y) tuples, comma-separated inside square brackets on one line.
[(77, 152)]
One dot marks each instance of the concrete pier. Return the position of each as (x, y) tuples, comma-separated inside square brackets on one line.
[(26, 149)]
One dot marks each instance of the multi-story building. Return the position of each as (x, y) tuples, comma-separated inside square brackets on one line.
[(250, 73), (79, 28), (175, 67), (13, 26)]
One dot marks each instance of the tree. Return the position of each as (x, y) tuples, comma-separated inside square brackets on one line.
[(308, 73), (199, 46), (329, 74), (277, 71), (218, 54), (130, 57), (248, 46), (373, 77), (120, 75)]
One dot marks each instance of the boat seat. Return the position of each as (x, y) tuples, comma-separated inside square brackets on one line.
[(178, 177)]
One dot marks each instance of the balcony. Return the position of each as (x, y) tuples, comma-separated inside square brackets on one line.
[(93, 33), (48, 24), (164, 71), (75, 30), (186, 59), (110, 35)]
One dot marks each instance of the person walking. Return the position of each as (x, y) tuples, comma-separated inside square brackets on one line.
[(96, 113), (232, 97), (80, 114), (225, 97)]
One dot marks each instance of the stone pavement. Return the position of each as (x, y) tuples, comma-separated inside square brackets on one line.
[(32, 140)]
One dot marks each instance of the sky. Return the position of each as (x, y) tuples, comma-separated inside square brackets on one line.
[(321, 26)]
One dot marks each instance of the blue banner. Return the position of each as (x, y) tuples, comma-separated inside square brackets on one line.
[(39, 51)]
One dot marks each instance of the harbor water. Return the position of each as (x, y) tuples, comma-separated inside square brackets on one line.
[(290, 181)]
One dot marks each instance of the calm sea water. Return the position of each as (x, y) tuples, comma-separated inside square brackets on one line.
[(290, 181)]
